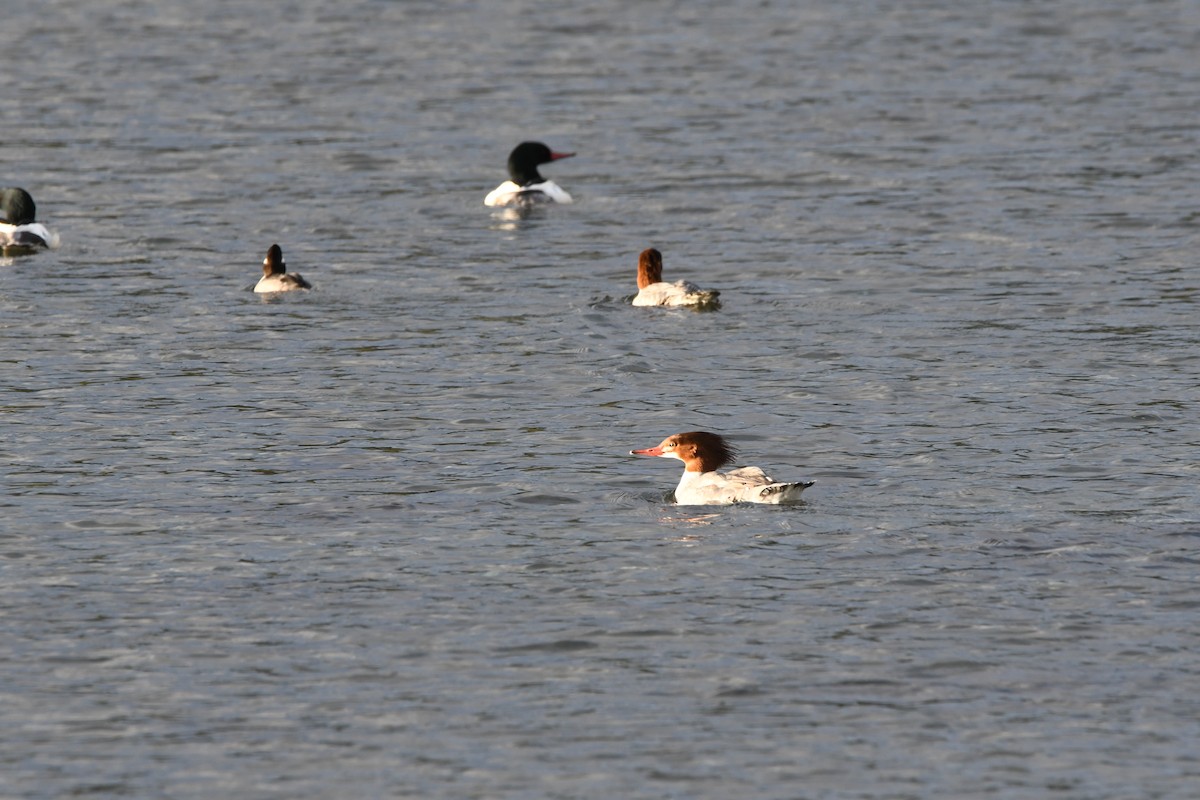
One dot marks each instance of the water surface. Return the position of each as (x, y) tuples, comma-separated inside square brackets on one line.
[(384, 538)]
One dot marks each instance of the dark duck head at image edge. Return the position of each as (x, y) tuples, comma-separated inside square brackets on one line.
[(702, 454), (20, 232), (526, 185), (275, 277)]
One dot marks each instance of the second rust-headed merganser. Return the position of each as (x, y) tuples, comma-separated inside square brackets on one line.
[(275, 277), (702, 455), (527, 186), (20, 233), (653, 291)]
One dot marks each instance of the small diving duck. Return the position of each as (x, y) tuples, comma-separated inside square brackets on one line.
[(652, 291), (20, 233), (527, 186), (275, 277), (702, 454)]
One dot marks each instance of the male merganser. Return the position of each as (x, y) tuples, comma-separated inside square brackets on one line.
[(652, 291), (19, 233), (527, 185), (702, 455), (275, 277)]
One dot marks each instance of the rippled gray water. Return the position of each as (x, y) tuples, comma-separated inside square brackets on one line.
[(384, 539)]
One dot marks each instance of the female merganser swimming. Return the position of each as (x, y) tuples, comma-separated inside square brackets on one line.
[(19, 233), (527, 185), (702, 455), (275, 277), (652, 291)]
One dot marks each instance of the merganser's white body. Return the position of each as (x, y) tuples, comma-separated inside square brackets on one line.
[(703, 454), (275, 277), (527, 186), (19, 231), (509, 194), (35, 234), (653, 291)]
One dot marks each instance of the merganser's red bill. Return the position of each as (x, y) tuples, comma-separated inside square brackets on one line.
[(649, 451), (556, 156)]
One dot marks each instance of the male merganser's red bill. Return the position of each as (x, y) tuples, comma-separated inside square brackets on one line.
[(653, 291), (702, 454), (275, 277), (20, 232), (527, 186)]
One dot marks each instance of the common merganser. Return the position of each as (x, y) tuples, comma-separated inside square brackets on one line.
[(652, 291), (527, 186), (275, 277), (19, 232), (702, 455)]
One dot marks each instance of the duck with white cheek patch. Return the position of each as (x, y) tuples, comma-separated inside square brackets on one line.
[(275, 277)]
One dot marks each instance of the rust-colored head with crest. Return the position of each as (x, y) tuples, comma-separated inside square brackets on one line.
[(649, 268), (700, 451)]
